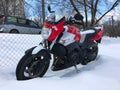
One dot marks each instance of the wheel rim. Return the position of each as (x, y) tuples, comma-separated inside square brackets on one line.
[(93, 51), (34, 68), (14, 31)]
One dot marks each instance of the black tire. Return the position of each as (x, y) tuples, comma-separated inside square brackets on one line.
[(14, 31), (92, 52), (40, 32), (32, 66)]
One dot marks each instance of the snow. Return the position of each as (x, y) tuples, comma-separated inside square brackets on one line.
[(102, 74)]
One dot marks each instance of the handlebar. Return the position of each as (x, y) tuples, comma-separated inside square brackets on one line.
[(72, 20)]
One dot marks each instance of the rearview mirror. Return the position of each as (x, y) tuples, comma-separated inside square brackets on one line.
[(49, 9)]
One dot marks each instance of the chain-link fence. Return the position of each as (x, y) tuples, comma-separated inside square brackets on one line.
[(13, 14), (12, 48)]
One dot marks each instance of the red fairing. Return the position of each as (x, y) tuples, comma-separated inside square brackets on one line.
[(56, 28), (74, 30), (98, 35)]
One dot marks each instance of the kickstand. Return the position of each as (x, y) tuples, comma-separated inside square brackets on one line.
[(76, 68)]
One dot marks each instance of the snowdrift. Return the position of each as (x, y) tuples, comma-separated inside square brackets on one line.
[(102, 74)]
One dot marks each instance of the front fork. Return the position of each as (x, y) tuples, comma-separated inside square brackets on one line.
[(46, 45)]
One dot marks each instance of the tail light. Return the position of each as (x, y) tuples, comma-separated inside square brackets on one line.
[(97, 36)]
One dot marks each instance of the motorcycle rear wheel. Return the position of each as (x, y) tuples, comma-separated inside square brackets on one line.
[(91, 55), (92, 52), (32, 66)]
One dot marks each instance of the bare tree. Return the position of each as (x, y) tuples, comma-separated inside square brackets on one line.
[(107, 11), (93, 6), (43, 10), (90, 7), (12, 7)]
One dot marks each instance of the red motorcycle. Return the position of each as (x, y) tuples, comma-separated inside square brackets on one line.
[(68, 46)]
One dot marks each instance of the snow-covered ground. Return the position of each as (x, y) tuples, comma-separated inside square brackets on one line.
[(102, 74)]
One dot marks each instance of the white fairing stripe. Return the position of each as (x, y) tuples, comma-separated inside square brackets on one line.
[(88, 31), (84, 33), (82, 38), (68, 38), (66, 28), (98, 27), (37, 49)]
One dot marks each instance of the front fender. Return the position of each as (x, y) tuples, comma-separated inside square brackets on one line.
[(37, 49), (34, 50), (29, 51), (40, 50)]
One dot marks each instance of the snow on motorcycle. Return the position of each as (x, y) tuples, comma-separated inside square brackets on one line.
[(65, 42)]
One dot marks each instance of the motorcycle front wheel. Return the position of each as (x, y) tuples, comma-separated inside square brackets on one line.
[(32, 66)]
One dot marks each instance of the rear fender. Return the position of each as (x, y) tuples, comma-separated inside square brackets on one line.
[(97, 36), (99, 41)]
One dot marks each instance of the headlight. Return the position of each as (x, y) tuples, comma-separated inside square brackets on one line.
[(45, 32)]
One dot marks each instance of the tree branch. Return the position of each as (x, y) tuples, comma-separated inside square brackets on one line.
[(113, 6), (72, 3)]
